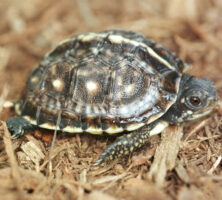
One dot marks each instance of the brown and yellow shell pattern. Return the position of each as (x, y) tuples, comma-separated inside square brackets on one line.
[(110, 82)]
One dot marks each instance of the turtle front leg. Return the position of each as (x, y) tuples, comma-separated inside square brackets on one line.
[(18, 126), (130, 142)]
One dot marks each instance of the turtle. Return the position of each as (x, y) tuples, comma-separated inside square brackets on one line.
[(111, 82)]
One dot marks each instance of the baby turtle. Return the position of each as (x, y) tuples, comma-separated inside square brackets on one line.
[(111, 82)]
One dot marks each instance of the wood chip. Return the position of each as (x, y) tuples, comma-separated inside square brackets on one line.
[(143, 190), (166, 155), (97, 195), (182, 173), (106, 179), (33, 152), (215, 165)]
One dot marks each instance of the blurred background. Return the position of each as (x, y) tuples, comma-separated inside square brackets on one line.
[(191, 28)]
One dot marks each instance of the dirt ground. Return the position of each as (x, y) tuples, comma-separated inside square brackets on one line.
[(182, 163)]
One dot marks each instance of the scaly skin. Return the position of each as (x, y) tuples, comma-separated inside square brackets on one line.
[(18, 126), (126, 144)]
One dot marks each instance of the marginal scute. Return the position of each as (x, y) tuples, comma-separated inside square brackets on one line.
[(72, 129), (48, 126), (116, 39), (158, 128), (114, 130), (89, 37), (111, 82), (30, 119), (18, 108), (132, 127), (93, 130)]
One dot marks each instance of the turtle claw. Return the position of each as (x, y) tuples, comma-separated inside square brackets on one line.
[(98, 162)]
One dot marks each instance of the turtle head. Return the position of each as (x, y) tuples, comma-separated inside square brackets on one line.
[(196, 98)]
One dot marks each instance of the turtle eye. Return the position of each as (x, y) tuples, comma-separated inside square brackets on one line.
[(195, 101)]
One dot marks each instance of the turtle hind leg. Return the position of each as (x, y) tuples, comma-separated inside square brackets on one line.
[(18, 126), (127, 144), (124, 145)]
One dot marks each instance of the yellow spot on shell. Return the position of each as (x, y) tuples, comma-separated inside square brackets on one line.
[(58, 84), (92, 87), (182, 100), (34, 79), (53, 69), (130, 88)]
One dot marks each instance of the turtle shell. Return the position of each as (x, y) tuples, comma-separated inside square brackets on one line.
[(109, 82)]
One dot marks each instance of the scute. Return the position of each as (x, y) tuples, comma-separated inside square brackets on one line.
[(102, 82)]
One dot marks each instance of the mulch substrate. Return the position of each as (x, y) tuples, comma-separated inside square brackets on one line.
[(182, 163)]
